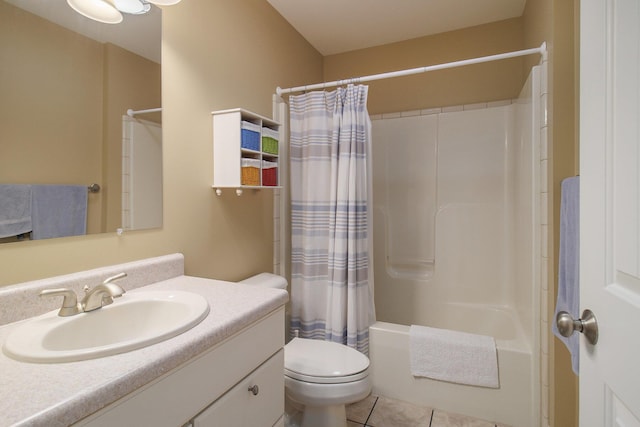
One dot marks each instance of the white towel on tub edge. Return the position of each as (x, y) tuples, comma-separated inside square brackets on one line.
[(453, 356)]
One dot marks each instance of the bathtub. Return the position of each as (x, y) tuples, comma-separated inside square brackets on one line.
[(512, 404)]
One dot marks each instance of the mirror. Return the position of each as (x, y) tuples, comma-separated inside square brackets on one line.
[(65, 84)]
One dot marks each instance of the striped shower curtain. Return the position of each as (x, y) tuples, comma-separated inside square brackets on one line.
[(330, 187)]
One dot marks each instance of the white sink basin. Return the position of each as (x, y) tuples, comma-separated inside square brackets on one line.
[(133, 321)]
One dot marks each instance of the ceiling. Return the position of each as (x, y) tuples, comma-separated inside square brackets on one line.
[(331, 26), (336, 26)]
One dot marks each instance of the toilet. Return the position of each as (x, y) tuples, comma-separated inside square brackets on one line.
[(321, 377)]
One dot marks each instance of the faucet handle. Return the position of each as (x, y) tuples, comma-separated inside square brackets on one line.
[(114, 278), (108, 280), (70, 305), (115, 290), (102, 294)]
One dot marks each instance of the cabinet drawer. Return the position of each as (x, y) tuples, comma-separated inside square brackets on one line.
[(256, 401)]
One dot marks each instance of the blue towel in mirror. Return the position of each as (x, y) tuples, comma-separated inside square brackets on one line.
[(58, 211)]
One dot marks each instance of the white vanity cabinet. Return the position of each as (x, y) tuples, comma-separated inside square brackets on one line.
[(237, 383), (257, 400), (245, 150)]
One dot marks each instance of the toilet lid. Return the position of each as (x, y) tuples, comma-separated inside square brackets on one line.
[(323, 361)]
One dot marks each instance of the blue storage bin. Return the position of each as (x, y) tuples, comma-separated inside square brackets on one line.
[(250, 136)]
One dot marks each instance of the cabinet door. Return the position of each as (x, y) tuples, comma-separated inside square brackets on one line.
[(256, 401)]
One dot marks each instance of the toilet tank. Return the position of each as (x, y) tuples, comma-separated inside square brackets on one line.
[(271, 280), (268, 280)]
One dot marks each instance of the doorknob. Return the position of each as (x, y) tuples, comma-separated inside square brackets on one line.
[(587, 325)]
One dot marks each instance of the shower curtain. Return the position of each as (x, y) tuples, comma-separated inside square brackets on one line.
[(330, 187)]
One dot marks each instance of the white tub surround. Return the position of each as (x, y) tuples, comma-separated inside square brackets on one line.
[(62, 394), (468, 255)]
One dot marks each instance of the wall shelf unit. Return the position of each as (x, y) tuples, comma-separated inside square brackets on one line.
[(245, 151)]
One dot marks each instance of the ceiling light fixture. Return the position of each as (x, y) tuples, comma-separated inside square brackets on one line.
[(110, 11), (134, 7), (98, 10), (164, 2)]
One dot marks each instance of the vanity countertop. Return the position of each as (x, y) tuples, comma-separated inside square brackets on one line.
[(34, 394)]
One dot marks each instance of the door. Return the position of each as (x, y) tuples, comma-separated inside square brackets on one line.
[(610, 210)]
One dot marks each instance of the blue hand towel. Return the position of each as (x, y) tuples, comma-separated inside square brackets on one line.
[(569, 264), (58, 211), (15, 209)]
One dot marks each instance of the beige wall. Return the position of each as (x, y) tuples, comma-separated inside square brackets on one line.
[(565, 164), (467, 85), (216, 54)]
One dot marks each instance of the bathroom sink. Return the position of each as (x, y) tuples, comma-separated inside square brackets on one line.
[(133, 321)]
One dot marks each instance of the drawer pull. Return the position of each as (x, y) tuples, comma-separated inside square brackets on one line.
[(255, 390)]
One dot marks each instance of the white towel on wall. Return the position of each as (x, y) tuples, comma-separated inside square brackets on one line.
[(453, 356)]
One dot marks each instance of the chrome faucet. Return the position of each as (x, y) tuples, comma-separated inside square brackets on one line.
[(102, 294)]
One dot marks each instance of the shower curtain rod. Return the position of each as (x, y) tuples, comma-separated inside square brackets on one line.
[(132, 113), (542, 50)]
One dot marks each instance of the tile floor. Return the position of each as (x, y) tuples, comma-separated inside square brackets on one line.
[(379, 411)]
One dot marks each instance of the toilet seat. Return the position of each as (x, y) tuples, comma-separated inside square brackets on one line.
[(323, 362), (325, 380)]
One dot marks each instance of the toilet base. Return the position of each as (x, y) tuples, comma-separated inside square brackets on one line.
[(324, 416), (323, 405), (298, 415)]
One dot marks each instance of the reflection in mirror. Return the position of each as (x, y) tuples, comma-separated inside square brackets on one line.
[(66, 83)]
